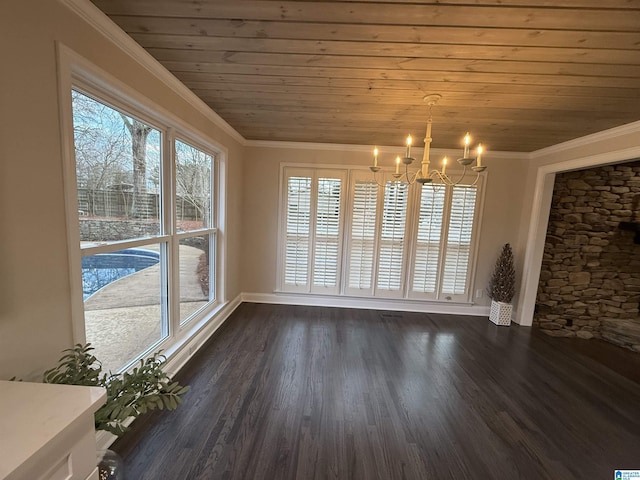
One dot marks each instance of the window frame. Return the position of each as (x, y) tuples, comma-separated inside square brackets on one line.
[(212, 231), (77, 73)]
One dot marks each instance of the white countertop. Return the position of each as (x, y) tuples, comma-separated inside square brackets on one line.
[(32, 415)]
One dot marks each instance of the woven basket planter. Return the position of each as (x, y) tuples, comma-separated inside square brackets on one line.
[(500, 313)]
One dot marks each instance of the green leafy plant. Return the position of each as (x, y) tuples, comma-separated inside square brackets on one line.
[(129, 394), (502, 285)]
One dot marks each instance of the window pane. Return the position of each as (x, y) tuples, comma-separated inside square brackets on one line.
[(458, 250), (327, 239), (193, 188), (363, 229), (297, 231), (193, 257), (394, 216), (118, 173), (428, 239), (124, 303)]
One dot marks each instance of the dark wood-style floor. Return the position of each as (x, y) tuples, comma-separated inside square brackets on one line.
[(286, 392)]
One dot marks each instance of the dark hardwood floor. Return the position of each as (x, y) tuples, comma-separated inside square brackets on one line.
[(287, 392)]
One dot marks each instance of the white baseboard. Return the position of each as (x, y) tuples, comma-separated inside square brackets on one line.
[(368, 303), (179, 355)]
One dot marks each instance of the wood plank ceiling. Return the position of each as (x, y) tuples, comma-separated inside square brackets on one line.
[(519, 74)]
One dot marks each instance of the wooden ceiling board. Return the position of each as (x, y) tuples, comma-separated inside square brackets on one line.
[(204, 81), (406, 75), (387, 49), (378, 33), (522, 74)]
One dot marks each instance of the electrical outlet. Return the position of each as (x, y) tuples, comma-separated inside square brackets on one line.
[(479, 293)]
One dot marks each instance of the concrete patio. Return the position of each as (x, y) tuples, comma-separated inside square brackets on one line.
[(124, 318)]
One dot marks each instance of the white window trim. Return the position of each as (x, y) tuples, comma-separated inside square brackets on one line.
[(174, 244), (74, 71)]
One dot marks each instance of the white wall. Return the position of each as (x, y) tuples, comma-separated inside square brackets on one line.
[(505, 182), (35, 310)]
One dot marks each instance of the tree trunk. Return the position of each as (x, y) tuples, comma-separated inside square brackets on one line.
[(139, 133)]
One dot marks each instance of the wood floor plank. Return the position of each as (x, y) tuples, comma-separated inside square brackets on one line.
[(291, 392)]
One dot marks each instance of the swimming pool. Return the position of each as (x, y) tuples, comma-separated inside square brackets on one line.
[(103, 268)]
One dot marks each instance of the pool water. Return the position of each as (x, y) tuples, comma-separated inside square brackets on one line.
[(103, 268)]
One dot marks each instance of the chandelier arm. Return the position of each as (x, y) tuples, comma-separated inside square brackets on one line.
[(443, 178), (408, 175), (375, 179), (462, 175)]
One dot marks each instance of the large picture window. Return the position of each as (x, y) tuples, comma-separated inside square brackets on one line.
[(400, 241), (146, 203)]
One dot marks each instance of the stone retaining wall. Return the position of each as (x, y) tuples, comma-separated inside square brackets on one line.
[(590, 279), (96, 230)]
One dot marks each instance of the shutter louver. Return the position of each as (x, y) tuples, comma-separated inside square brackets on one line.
[(327, 233), (458, 249), (427, 251), (297, 231), (394, 216), (363, 229)]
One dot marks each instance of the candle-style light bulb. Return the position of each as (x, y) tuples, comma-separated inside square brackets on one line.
[(397, 164), (467, 142), (409, 140), (480, 150), (375, 157), (444, 165)]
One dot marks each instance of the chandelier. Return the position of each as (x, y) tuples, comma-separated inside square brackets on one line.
[(424, 174)]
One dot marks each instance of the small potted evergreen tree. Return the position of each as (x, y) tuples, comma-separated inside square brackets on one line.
[(502, 287)]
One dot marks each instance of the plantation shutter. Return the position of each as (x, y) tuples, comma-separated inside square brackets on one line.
[(312, 230), (297, 229), (392, 241), (364, 206), (458, 246), (328, 233), (403, 241), (428, 238)]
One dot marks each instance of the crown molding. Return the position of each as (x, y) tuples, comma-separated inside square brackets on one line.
[(587, 140), (104, 25)]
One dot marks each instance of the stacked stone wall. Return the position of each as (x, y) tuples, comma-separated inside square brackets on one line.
[(102, 230), (590, 278)]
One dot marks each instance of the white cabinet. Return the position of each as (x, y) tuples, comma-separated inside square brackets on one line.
[(47, 431)]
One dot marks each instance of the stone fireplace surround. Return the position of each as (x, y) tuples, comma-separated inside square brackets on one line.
[(590, 276)]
